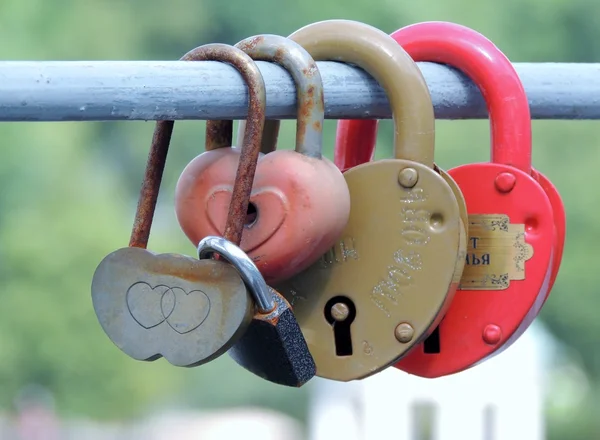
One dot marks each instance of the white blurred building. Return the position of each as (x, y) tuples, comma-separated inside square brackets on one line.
[(501, 399)]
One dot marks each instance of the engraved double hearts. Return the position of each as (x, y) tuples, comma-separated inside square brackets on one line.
[(151, 306), (204, 193), (204, 302)]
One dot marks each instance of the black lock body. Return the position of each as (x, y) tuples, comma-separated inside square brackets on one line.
[(274, 348)]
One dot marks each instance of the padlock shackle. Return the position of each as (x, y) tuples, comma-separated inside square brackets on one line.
[(243, 264), (161, 139), (309, 87), (493, 73), (479, 59), (378, 54)]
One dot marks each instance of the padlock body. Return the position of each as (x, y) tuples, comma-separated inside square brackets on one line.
[(381, 271), (273, 347), (186, 310), (560, 223), (464, 222), (507, 271), (302, 205)]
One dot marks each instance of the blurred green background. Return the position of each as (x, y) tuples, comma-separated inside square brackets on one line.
[(68, 193)]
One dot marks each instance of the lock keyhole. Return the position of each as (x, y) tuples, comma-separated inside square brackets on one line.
[(251, 214), (431, 345), (340, 313)]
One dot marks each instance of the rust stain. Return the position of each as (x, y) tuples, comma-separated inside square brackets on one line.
[(310, 94), (151, 184), (311, 70), (250, 150), (210, 275), (270, 318), (306, 104), (251, 43), (280, 55), (219, 134)]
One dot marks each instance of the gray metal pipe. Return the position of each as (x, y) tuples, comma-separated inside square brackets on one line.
[(155, 90)]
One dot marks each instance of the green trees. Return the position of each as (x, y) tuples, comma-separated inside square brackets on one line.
[(68, 190)]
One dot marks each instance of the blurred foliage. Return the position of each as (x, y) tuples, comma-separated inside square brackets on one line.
[(68, 190)]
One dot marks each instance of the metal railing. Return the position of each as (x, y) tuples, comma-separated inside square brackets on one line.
[(151, 90)]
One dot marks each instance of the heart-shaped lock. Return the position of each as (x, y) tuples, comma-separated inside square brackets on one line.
[(560, 224), (371, 298), (186, 310), (510, 261), (269, 144), (295, 220)]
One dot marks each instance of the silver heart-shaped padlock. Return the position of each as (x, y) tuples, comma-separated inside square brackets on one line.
[(184, 309)]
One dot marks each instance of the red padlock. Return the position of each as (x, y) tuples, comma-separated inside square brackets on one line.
[(560, 224), (513, 240)]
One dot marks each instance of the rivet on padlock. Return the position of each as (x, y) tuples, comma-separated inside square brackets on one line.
[(404, 226), (295, 220), (273, 346), (173, 306), (509, 268)]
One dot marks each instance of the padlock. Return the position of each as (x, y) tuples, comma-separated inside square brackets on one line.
[(186, 310), (386, 283), (560, 223), (510, 263), (273, 346), (294, 221)]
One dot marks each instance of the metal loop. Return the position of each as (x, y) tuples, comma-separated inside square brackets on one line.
[(310, 105), (248, 271), (162, 138), (379, 55)]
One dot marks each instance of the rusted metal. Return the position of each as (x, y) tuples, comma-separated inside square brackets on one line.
[(310, 102), (270, 136), (249, 155), (273, 347), (242, 187), (285, 359), (218, 135), (155, 167)]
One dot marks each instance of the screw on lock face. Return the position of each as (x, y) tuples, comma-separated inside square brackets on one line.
[(508, 267), (187, 310), (379, 271)]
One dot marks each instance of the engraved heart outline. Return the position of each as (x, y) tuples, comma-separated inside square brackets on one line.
[(203, 311), (132, 302), (127, 266), (272, 197)]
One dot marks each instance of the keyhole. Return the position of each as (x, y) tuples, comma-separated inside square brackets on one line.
[(251, 214), (431, 345), (339, 313)]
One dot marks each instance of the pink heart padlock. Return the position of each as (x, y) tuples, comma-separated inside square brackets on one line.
[(299, 203)]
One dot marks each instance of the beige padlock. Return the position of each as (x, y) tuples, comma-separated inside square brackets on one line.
[(387, 283)]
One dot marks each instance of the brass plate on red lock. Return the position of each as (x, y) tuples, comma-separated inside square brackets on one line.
[(496, 253)]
